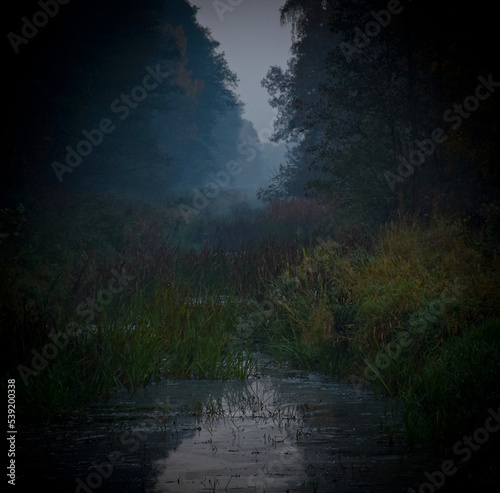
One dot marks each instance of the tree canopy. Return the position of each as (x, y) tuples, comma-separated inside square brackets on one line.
[(388, 106), (118, 97)]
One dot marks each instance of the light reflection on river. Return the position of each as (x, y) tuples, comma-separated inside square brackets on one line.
[(281, 430)]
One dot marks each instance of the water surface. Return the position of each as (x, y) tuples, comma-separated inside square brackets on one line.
[(280, 430)]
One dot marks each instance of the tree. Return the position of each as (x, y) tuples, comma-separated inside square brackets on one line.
[(364, 99), (93, 108)]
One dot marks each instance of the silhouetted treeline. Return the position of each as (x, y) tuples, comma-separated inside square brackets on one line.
[(392, 105), (117, 96)]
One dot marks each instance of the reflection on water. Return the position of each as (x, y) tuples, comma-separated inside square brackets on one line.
[(281, 431), (246, 438)]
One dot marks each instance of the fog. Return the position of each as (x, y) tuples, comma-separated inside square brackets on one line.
[(181, 189), (144, 102)]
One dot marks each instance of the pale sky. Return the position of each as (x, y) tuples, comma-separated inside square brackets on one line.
[(253, 40)]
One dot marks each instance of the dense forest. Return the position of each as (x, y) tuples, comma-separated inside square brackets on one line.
[(384, 109), (132, 187), (392, 107), (127, 98)]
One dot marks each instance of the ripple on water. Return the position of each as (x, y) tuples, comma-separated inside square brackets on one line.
[(283, 430)]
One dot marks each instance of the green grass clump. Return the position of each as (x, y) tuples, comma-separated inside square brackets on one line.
[(89, 363), (197, 331), (175, 334), (455, 385), (413, 267), (306, 320)]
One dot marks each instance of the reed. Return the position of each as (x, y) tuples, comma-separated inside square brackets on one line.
[(406, 308), (408, 316), (452, 388)]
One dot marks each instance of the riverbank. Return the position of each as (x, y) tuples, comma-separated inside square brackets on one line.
[(410, 311)]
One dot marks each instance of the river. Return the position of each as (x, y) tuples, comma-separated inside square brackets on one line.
[(279, 430)]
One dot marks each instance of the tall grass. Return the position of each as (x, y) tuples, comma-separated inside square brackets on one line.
[(307, 321), (454, 386), (406, 309), (171, 335), (197, 334), (412, 315)]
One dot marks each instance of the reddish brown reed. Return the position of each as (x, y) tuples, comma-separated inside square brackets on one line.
[(301, 210)]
